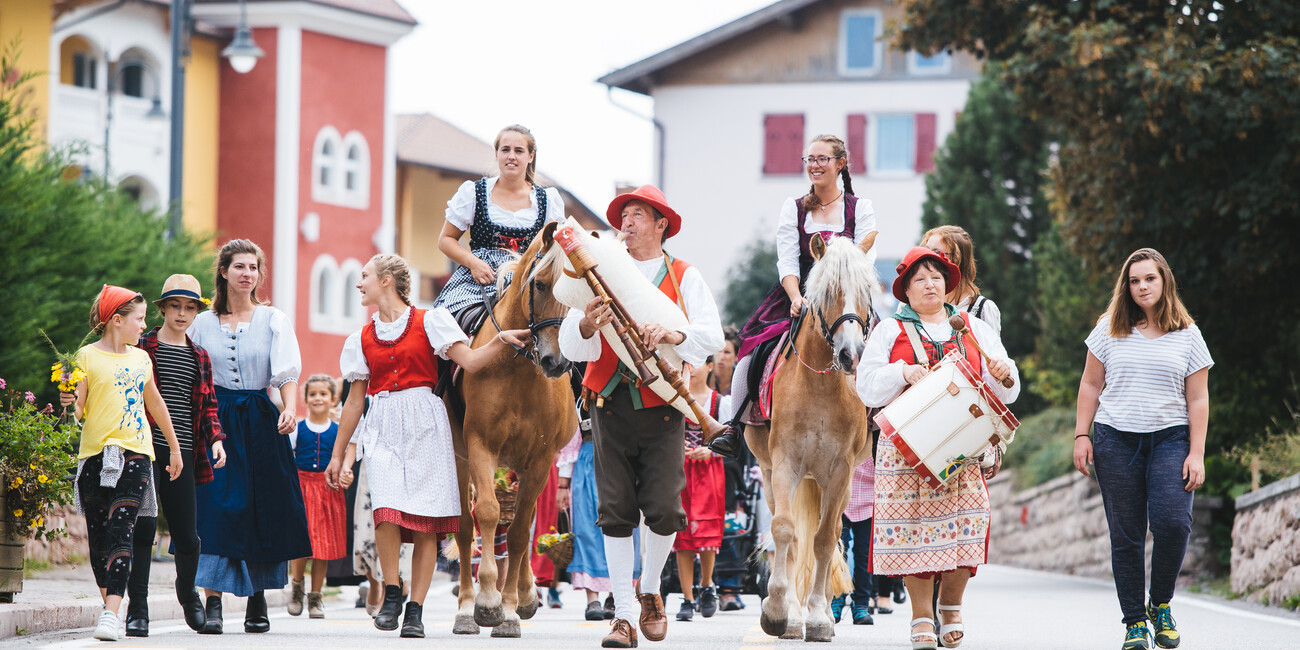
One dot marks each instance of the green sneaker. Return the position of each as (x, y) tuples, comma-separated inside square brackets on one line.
[(1138, 637), (1163, 619)]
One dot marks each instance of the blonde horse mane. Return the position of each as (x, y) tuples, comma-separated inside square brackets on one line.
[(842, 272), (547, 268)]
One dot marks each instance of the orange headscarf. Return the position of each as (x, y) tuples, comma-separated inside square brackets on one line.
[(111, 299)]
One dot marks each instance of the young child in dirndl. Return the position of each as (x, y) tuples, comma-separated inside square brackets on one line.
[(405, 441), (704, 501), (313, 446)]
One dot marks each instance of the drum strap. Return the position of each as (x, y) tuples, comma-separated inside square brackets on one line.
[(914, 337)]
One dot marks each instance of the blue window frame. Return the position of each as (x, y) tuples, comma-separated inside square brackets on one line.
[(895, 143), (860, 47)]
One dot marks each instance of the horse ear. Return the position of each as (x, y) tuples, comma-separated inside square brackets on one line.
[(818, 246), (548, 234), (868, 241)]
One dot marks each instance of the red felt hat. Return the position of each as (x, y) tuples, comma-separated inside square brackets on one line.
[(952, 274), (651, 195)]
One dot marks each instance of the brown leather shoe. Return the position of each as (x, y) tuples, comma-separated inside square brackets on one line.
[(622, 636), (654, 620)]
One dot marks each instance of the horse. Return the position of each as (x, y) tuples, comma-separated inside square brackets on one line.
[(817, 434), (521, 413)]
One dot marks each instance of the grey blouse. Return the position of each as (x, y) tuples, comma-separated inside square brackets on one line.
[(252, 356)]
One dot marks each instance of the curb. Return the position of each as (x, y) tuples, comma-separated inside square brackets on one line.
[(23, 619)]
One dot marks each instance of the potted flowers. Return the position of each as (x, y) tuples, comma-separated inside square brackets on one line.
[(36, 459)]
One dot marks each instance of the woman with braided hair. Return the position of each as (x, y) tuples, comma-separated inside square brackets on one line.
[(830, 209)]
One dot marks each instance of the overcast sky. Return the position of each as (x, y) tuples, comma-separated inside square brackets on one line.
[(484, 64)]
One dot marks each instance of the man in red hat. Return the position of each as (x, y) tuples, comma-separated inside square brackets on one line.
[(639, 440)]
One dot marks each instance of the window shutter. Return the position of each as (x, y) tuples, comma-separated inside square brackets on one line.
[(783, 144), (925, 142), (857, 132)]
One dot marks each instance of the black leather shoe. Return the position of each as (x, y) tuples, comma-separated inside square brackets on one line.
[(212, 623), (727, 443), (386, 619), (255, 617), (412, 626), (195, 617), (137, 616)]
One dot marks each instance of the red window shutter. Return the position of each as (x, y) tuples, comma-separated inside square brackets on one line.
[(857, 132), (925, 142), (783, 144)]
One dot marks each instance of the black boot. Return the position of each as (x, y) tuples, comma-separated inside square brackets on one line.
[(187, 564), (386, 619), (137, 616), (255, 619), (212, 617), (727, 443), (412, 626)]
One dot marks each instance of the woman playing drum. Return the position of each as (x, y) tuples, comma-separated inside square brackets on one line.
[(922, 532)]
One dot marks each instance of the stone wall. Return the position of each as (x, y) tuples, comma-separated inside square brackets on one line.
[(1060, 526), (1266, 543), (63, 549)]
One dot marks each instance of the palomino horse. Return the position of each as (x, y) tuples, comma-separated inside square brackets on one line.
[(520, 413), (817, 435)]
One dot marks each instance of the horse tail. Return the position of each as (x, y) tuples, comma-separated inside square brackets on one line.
[(806, 507)]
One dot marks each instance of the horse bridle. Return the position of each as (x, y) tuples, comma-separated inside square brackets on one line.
[(828, 333), (534, 328)]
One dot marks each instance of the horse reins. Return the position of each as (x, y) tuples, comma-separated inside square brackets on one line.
[(828, 333), (534, 328)]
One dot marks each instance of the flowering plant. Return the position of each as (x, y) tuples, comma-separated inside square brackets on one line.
[(36, 459), (504, 479), (551, 539)]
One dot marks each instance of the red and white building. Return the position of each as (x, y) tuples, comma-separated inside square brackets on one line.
[(306, 162)]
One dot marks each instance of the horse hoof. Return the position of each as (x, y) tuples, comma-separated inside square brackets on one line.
[(818, 632), (772, 627), (793, 632), (506, 630), (488, 617), (527, 610), (464, 625)]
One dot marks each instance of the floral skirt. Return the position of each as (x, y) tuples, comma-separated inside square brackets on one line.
[(923, 531)]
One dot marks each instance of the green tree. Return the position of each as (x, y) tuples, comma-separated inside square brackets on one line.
[(988, 179), (1176, 130), (749, 280), (61, 240)]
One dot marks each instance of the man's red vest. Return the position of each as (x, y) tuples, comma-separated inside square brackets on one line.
[(405, 362), (604, 374), (902, 350)]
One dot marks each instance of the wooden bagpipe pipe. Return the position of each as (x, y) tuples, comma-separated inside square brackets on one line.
[(583, 281)]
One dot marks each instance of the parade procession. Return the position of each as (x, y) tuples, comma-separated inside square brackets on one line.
[(356, 376)]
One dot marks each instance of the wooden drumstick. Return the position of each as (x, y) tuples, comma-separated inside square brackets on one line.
[(958, 323)]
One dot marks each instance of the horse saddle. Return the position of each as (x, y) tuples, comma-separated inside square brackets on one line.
[(471, 320), (760, 380)]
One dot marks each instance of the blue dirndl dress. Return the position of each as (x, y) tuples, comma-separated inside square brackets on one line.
[(492, 243), (251, 518), (588, 569)]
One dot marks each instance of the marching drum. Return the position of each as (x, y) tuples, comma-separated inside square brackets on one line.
[(946, 421)]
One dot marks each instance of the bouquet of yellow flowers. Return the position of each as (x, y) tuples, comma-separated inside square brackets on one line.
[(558, 547), (65, 372)]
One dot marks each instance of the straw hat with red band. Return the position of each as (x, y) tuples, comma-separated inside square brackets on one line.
[(650, 195), (111, 299), (952, 274)]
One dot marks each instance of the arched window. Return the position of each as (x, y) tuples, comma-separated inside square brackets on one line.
[(353, 313), (355, 189), (79, 62), (325, 166), (323, 310)]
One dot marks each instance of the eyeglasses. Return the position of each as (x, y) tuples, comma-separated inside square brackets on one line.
[(820, 160)]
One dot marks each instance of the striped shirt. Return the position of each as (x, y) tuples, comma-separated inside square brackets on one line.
[(1146, 379), (178, 370)]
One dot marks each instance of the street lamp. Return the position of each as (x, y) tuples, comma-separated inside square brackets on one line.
[(242, 51)]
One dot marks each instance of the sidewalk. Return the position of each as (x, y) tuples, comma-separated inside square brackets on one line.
[(66, 598)]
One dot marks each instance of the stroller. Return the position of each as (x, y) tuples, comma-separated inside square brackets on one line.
[(740, 567)]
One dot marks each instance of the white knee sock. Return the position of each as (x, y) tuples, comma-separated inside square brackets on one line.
[(740, 381), (656, 548), (620, 557)]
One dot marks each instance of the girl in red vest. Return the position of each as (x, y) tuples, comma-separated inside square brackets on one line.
[(920, 532), (406, 439)]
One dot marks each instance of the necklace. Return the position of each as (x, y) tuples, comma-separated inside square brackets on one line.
[(827, 204)]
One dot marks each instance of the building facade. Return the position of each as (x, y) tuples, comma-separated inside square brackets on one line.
[(737, 105)]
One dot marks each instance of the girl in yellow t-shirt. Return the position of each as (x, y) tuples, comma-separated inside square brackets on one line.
[(115, 472)]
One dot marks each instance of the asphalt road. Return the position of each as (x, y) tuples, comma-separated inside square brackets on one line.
[(1005, 608)]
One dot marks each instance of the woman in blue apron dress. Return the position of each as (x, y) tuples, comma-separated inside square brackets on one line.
[(251, 519), (502, 215)]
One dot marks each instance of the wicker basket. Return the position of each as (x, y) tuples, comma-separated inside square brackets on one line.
[(560, 553), (506, 498)]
